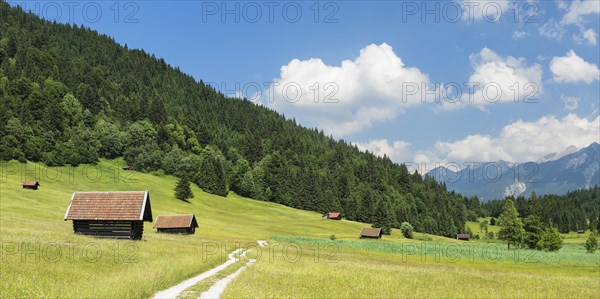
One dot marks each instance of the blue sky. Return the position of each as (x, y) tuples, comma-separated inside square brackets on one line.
[(371, 52)]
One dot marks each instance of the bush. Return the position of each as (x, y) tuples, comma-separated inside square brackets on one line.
[(493, 221), (407, 230), (591, 244), (551, 240), (332, 237), (490, 235)]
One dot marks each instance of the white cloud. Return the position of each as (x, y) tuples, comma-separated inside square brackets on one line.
[(519, 141), (571, 103), (523, 141), (519, 34), (579, 9), (591, 36), (502, 79), (588, 36), (572, 68), (398, 151), (575, 14), (552, 30), (367, 89)]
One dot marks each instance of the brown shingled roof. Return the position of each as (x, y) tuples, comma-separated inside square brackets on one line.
[(333, 215), (370, 232), (463, 236), (129, 206), (176, 221), (31, 184)]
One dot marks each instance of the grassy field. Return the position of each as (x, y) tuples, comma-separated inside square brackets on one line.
[(41, 257), (474, 226)]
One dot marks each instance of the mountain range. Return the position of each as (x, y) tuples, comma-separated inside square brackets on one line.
[(556, 173)]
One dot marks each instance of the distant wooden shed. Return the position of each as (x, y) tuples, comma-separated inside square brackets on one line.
[(127, 167), (176, 224), (369, 232), (581, 231), (33, 185), (334, 216), (110, 214), (464, 237)]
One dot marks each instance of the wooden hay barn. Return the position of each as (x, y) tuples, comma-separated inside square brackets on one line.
[(118, 215), (334, 216), (368, 232), (581, 231), (176, 224), (464, 237), (32, 185), (127, 167)]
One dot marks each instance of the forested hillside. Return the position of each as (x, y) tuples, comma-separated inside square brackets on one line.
[(71, 96), (576, 210)]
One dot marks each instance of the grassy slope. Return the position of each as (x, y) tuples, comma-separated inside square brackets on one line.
[(474, 226), (350, 267)]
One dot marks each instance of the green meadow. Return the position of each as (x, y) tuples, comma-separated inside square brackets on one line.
[(476, 229), (41, 257)]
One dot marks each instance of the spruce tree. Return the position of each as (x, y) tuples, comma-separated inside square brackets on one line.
[(183, 190), (533, 232), (382, 217)]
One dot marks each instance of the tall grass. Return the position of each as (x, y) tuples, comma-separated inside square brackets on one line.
[(365, 270), (569, 255)]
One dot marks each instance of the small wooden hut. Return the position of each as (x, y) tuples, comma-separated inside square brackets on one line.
[(464, 237), (127, 168), (32, 185), (176, 224), (118, 215), (334, 216), (581, 231), (370, 232)]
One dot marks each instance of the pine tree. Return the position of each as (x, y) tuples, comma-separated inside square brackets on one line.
[(183, 190), (534, 205), (533, 232), (404, 179), (512, 227), (382, 217)]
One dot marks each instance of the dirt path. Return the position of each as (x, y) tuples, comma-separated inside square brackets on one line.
[(219, 287), (173, 292)]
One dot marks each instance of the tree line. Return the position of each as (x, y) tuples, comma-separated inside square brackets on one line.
[(529, 232), (576, 210)]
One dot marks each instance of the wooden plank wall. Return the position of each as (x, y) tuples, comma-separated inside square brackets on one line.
[(110, 229), (175, 230)]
